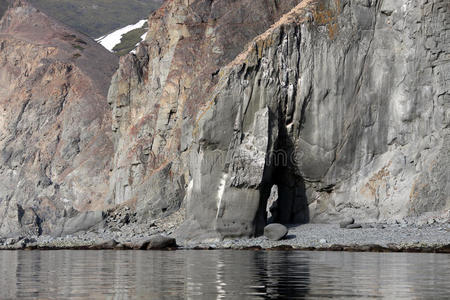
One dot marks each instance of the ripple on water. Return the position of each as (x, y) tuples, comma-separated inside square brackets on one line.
[(222, 275)]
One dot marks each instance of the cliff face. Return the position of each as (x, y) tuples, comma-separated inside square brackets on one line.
[(306, 111), (55, 136), (155, 95), (341, 109)]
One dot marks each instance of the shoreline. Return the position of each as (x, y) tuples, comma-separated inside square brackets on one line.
[(437, 249), (429, 238)]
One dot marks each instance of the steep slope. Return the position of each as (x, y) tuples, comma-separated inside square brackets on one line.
[(156, 93), (55, 136), (97, 17), (343, 107)]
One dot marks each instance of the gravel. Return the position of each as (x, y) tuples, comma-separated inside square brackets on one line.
[(331, 236), (371, 237)]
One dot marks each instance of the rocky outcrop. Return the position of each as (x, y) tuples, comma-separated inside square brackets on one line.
[(304, 111), (339, 109), (55, 124), (344, 106), (155, 95)]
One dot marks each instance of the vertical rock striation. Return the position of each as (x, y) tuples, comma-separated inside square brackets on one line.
[(343, 105), (309, 110), (55, 124), (155, 95)]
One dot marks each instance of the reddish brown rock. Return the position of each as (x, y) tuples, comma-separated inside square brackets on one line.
[(55, 125)]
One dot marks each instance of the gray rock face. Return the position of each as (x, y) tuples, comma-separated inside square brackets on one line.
[(156, 94), (344, 106), (275, 232), (81, 222), (336, 109)]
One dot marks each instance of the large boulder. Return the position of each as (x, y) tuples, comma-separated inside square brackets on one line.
[(154, 242), (275, 232), (347, 221)]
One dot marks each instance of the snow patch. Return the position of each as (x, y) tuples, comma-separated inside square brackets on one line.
[(142, 39), (111, 40)]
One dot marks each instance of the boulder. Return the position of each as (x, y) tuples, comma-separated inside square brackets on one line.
[(275, 231), (153, 242), (82, 222), (347, 221), (159, 242), (107, 244)]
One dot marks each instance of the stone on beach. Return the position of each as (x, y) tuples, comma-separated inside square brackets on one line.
[(275, 231), (347, 221), (153, 243)]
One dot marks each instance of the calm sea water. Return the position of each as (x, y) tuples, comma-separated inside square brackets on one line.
[(222, 275)]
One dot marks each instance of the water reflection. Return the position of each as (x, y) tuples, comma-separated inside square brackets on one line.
[(221, 275), (257, 274)]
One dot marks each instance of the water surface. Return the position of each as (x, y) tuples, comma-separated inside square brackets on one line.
[(222, 275)]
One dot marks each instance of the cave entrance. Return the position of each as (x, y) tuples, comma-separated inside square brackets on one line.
[(282, 192), (283, 200)]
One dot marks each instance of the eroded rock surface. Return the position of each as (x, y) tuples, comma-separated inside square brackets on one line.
[(55, 124), (311, 111), (343, 105), (156, 94)]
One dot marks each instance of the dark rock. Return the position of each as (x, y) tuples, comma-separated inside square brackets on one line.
[(120, 246), (353, 226), (275, 231), (11, 241), (110, 244), (154, 242), (159, 242), (344, 223)]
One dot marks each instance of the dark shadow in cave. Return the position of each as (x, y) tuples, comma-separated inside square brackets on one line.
[(289, 204)]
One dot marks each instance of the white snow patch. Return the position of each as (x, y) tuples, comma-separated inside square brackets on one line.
[(142, 38), (111, 40)]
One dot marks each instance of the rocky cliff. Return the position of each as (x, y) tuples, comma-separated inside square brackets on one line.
[(239, 113), (340, 108), (55, 123), (156, 94)]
